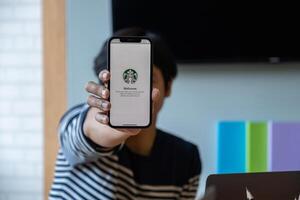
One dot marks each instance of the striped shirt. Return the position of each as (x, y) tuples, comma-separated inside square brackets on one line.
[(85, 170)]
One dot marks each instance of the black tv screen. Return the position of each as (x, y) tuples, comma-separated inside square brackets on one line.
[(217, 30)]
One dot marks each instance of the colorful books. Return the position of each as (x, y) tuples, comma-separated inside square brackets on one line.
[(258, 146)]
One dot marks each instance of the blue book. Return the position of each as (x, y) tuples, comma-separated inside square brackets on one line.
[(231, 147)]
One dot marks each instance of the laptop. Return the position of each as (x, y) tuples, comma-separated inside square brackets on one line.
[(254, 186)]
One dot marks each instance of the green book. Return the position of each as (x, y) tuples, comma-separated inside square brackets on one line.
[(256, 146)]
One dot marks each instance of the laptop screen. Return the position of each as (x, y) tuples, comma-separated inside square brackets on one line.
[(256, 186)]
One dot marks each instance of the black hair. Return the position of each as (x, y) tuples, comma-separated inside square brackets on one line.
[(162, 57)]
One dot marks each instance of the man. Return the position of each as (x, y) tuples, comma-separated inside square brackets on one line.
[(96, 161)]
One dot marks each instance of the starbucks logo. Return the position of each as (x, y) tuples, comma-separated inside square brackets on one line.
[(130, 76)]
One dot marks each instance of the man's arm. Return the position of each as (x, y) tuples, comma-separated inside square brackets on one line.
[(84, 133), (76, 146)]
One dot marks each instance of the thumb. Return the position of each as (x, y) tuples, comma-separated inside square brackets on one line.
[(155, 94), (155, 97)]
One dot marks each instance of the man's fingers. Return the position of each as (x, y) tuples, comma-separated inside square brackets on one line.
[(98, 90), (98, 103), (104, 76), (102, 118)]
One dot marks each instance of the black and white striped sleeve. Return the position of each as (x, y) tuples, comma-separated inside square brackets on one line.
[(75, 145)]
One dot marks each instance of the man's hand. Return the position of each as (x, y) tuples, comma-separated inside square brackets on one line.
[(96, 123)]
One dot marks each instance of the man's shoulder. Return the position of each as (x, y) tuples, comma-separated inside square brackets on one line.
[(184, 156), (177, 143)]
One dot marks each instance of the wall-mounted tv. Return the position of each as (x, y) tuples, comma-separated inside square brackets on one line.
[(217, 30)]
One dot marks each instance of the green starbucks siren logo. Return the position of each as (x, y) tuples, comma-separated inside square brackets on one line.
[(130, 76)]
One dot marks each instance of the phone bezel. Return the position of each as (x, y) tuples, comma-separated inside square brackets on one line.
[(134, 39)]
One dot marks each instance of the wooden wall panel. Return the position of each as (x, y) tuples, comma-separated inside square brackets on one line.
[(55, 96)]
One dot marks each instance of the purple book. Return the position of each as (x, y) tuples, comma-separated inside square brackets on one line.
[(284, 146)]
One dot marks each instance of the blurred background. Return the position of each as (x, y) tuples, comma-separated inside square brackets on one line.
[(207, 90), (21, 100)]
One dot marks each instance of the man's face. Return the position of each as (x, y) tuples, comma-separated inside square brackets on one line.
[(158, 82)]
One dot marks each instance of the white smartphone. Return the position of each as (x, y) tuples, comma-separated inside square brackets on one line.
[(130, 85)]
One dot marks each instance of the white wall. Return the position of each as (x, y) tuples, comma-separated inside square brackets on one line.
[(21, 165), (88, 25), (202, 93)]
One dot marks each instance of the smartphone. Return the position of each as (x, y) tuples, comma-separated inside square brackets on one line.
[(130, 85)]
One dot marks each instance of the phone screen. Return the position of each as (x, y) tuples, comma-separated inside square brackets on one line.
[(130, 82)]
